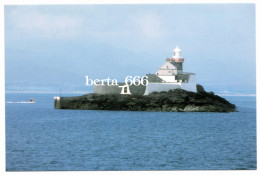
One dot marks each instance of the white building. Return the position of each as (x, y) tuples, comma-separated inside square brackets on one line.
[(171, 76)]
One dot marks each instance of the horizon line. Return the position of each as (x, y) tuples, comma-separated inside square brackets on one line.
[(87, 92)]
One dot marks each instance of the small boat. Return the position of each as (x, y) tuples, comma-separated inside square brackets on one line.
[(32, 100)]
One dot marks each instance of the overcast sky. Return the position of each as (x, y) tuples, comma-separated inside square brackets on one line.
[(62, 44)]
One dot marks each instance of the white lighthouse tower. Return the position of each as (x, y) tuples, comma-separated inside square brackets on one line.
[(177, 53), (177, 56)]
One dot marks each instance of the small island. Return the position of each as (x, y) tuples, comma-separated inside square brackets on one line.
[(177, 100)]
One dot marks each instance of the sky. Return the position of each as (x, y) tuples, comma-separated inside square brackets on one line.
[(54, 47)]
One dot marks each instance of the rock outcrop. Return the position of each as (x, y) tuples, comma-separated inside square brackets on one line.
[(176, 100)]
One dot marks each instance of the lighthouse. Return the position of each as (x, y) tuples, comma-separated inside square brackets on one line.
[(177, 60), (173, 66), (177, 53), (171, 76)]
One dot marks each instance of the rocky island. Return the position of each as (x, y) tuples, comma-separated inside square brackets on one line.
[(177, 100), (169, 89)]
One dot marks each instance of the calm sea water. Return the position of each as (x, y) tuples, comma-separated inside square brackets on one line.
[(39, 137)]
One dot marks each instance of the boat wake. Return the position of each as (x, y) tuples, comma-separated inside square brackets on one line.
[(20, 102)]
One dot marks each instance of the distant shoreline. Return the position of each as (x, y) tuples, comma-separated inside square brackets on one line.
[(48, 92), (237, 95), (87, 92)]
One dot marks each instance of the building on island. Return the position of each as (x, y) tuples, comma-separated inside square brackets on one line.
[(169, 76)]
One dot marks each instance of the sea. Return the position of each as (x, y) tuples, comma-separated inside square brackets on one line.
[(41, 138)]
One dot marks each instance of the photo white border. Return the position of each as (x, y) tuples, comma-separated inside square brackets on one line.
[(79, 2)]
